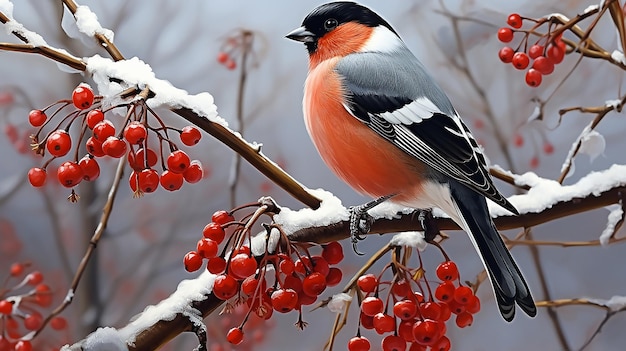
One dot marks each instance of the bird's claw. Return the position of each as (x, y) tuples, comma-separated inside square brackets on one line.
[(361, 221)]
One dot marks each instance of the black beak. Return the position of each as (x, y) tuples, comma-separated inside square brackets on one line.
[(302, 35)]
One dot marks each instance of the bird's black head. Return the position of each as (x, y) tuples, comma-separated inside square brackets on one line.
[(327, 17)]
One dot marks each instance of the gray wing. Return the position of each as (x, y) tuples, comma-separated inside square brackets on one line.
[(400, 101)]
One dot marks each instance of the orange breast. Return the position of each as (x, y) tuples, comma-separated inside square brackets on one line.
[(368, 163)]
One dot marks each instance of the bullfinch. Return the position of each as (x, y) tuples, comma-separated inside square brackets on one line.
[(382, 125)]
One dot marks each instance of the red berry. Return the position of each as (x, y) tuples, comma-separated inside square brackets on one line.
[(6, 307), (82, 97), (222, 57), (94, 117), (235, 336), (520, 60), (94, 147), (367, 283), (535, 51), (249, 285), (114, 147), (58, 323), (548, 148), (448, 271), (514, 20), (556, 54), (333, 252), (464, 319), (393, 343), (37, 177), (192, 261), (319, 264), (431, 310), (293, 282), (284, 300), (405, 309), (463, 294), (534, 162), (103, 129), (90, 168), (367, 322), (224, 287), (314, 284), (214, 231), (426, 331), (190, 135), (543, 65), (137, 160), (194, 172), (533, 77), (69, 174), (473, 305), (222, 217), (16, 269), (242, 266), (216, 265), (43, 295), (230, 64), (371, 305), (178, 161), (171, 181), (207, 248), (23, 345), (59, 143), (33, 321), (405, 330), (456, 307), (505, 35), (518, 140), (506, 54), (148, 180), (334, 276), (401, 288), (286, 266), (34, 278), (443, 344), (359, 343), (37, 118), (445, 291), (135, 133), (384, 323)]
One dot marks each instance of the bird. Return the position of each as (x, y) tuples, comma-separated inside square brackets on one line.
[(384, 126)]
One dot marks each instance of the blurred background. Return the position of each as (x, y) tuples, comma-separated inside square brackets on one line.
[(139, 260)]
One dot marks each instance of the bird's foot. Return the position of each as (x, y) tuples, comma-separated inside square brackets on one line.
[(429, 224), (361, 221)]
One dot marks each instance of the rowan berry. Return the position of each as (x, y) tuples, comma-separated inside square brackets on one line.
[(37, 118), (148, 180), (333, 252), (514, 20), (171, 181), (235, 336), (59, 143), (190, 135), (505, 35), (192, 261), (37, 177), (533, 77), (242, 266), (94, 147), (384, 323), (520, 60), (94, 117), (464, 319), (447, 270), (114, 147), (463, 294), (69, 174), (426, 332), (207, 248), (58, 323), (214, 231), (284, 300), (543, 65), (445, 291), (535, 51), (359, 343), (443, 344), (334, 276), (103, 129), (224, 287), (314, 284), (194, 172), (82, 97), (23, 345), (506, 54), (178, 161), (135, 133), (367, 283), (6, 307), (371, 305), (216, 265), (90, 168), (405, 309), (393, 343)]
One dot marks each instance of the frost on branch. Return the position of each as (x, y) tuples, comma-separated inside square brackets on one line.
[(616, 216)]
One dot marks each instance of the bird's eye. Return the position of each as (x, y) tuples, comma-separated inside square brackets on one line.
[(330, 24)]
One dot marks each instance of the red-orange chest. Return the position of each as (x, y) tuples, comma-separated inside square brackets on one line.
[(356, 154)]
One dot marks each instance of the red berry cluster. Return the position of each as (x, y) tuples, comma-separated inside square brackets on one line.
[(297, 277), (239, 43), (103, 139), (410, 319), (548, 51), (19, 312)]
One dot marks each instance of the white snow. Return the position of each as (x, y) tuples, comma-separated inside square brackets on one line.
[(180, 301), (12, 25), (613, 103), (338, 302), (615, 303), (88, 24), (134, 72), (69, 296), (545, 193), (618, 56), (592, 144), (330, 211), (591, 8), (103, 339), (411, 239), (615, 215)]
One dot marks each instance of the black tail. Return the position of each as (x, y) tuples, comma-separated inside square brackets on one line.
[(507, 281)]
